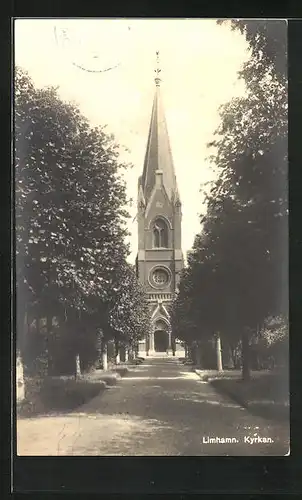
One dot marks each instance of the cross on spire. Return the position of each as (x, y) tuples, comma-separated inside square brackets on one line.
[(157, 70)]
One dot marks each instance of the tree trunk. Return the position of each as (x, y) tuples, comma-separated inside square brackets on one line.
[(186, 350), (246, 371), (99, 343), (198, 356), (233, 355), (173, 347), (22, 334), (194, 353), (136, 350), (118, 358), (126, 354), (117, 352), (20, 392), (219, 353), (104, 357), (21, 327), (190, 352), (49, 343), (78, 366)]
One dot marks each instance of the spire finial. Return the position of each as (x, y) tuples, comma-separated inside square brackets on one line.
[(157, 70)]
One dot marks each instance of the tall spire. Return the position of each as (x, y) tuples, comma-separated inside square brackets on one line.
[(158, 153)]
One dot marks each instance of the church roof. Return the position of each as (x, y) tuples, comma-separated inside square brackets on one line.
[(158, 154)]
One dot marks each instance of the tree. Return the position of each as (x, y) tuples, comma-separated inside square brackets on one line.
[(238, 266), (193, 317), (129, 315), (70, 215)]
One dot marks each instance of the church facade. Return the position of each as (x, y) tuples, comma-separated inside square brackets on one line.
[(159, 258)]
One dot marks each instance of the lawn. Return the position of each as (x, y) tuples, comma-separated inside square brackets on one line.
[(266, 393), (66, 393), (57, 394)]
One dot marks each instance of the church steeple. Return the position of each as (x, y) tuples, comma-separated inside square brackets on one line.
[(159, 258), (158, 153)]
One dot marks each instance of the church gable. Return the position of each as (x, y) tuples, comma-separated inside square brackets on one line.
[(158, 203), (160, 312)]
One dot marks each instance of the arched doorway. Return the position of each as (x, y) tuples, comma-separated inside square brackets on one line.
[(161, 341), (161, 336)]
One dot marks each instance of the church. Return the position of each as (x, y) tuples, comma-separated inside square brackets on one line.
[(159, 259)]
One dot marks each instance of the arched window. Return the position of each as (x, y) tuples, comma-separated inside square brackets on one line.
[(160, 234)]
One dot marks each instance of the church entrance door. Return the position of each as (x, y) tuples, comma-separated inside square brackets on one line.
[(160, 341)]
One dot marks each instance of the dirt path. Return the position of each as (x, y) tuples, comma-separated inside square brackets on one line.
[(160, 408)]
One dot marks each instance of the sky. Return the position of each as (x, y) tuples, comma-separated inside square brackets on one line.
[(106, 67)]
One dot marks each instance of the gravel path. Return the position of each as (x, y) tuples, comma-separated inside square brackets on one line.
[(160, 408)]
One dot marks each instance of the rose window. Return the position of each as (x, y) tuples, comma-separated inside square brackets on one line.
[(160, 277)]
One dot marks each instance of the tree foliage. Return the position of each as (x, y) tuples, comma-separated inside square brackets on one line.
[(70, 216), (267, 42), (129, 316), (237, 269)]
